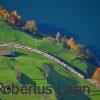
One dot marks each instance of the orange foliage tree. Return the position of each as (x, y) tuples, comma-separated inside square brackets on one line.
[(70, 42), (96, 75), (15, 13), (31, 26)]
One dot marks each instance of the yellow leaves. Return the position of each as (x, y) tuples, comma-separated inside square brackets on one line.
[(15, 13), (70, 42), (4, 13), (31, 24), (96, 75)]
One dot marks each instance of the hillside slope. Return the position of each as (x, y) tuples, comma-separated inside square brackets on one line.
[(30, 63), (8, 34)]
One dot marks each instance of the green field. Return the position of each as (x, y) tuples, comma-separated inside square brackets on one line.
[(30, 63)]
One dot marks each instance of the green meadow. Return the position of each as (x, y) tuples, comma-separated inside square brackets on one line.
[(30, 63)]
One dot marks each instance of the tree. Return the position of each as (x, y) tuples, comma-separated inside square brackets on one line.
[(1, 19), (96, 75), (63, 40), (87, 54), (18, 74), (70, 42), (76, 50), (31, 26), (81, 52), (46, 70), (15, 13), (58, 37)]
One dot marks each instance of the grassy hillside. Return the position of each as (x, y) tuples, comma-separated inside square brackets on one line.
[(8, 34), (29, 63)]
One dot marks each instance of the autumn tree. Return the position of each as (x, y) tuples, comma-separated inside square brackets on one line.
[(31, 26), (15, 13), (70, 42), (58, 37), (96, 75)]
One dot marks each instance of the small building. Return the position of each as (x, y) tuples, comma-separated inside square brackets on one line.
[(7, 53)]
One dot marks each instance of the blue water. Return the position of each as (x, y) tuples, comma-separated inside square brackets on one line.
[(78, 18)]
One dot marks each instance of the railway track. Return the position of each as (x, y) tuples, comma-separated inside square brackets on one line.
[(3, 44)]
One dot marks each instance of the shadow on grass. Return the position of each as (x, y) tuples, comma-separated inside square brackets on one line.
[(91, 65), (78, 70), (60, 85), (25, 80), (19, 54)]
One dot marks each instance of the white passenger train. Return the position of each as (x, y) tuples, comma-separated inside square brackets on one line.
[(44, 54)]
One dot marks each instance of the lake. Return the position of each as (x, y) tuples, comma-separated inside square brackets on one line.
[(77, 18)]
